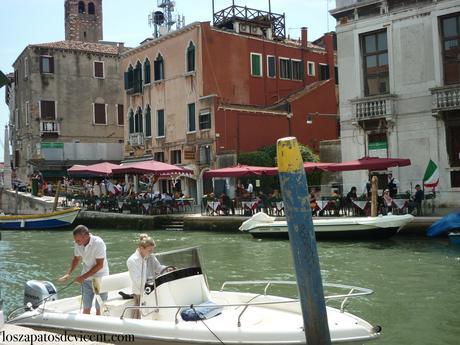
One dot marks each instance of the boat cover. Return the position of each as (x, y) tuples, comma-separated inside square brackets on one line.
[(445, 224), (202, 311)]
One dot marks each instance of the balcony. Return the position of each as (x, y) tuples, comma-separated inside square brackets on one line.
[(375, 107), (49, 127), (445, 98), (136, 139)]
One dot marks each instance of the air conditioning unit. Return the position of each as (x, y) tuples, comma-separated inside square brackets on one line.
[(244, 28)]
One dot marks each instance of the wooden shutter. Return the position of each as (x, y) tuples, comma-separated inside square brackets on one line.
[(98, 69), (99, 114), (120, 114), (47, 110)]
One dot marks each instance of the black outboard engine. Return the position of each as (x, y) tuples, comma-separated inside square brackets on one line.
[(35, 291)]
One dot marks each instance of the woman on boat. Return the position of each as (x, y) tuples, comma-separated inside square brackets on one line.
[(139, 263)]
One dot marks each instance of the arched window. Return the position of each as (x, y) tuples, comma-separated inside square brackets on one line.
[(91, 9), (138, 121), (191, 57), (131, 121), (158, 68), (81, 7), (129, 78), (147, 71), (138, 78), (148, 122)]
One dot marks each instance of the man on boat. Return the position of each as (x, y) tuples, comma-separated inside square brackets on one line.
[(91, 250)]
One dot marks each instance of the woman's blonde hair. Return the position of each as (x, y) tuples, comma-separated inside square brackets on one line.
[(145, 241)]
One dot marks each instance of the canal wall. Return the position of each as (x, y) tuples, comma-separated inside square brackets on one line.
[(24, 203)]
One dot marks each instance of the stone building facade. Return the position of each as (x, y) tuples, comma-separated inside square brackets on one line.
[(400, 98), (66, 101)]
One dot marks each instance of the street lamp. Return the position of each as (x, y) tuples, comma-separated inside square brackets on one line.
[(311, 115)]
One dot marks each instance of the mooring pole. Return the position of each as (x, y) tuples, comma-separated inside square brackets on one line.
[(303, 242), (374, 188), (56, 196)]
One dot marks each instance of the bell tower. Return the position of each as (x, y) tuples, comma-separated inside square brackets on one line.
[(83, 20)]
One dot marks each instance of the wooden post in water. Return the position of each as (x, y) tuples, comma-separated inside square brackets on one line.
[(56, 197), (303, 242), (374, 204)]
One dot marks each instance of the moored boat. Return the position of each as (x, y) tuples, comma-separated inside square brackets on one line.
[(56, 219), (170, 301), (263, 226)]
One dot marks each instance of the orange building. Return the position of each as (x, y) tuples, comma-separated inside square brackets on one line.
[(201, 95)]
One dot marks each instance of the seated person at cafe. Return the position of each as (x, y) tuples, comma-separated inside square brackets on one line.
[(351, 195), (312, 201), (262, 202), (226, 204), (338, 200), (417, 200), (387, 201)]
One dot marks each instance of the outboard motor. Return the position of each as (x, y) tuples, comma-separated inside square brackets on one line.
[(35, 291), (2, 318)]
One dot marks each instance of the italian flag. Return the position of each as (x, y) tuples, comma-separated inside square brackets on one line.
[(431, 178)]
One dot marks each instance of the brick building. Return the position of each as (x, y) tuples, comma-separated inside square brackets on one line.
[(65, 100), (201, 95)]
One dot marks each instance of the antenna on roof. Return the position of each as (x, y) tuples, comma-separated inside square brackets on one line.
[(162, 20)]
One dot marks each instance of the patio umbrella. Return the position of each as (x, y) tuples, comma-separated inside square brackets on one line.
[(98, 169), (241, 170), (316, 166), (368, 163), (150, 167)]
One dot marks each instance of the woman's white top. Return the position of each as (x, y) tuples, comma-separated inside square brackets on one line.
[(140, 267)]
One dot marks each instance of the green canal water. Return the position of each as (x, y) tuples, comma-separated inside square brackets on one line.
[(416, 280)]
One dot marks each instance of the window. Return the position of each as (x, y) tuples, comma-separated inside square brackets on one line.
[(27, 113), (129, 78), (323, 71), (137, 78), (48, 110), (271, 66), (375, 63), (176, 157), (147, 71), (158, 68), (160, 123), (131, 121), (191, 117), (205, 154), (452, 127), (336, 74), (297, 69), (138, 121), (450, 27), (120, 115), (256, 65), (98, 69), (285, 68), (91, 9), (100, 117), (148, 122), (191, 57), (205, 119), (159, 156), (311, 68), (26, 67), (81, 7), (46, 64)]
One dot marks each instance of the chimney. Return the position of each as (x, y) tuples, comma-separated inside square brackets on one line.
[(304, 36), (121, 47)]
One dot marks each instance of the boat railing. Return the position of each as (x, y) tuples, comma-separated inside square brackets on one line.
[(352, 292)]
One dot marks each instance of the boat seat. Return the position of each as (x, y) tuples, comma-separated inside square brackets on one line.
[(115, 282), (116, 306)]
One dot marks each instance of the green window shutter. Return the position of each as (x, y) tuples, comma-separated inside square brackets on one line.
[(255, 65), (131, 122), (160, 123), (271, 66), (148, 122), (191, 117), (126, 81)]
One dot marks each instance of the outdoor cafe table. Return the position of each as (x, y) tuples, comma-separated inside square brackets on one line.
[(401, 203), (361, 204), (279, 206), (213, 207), (249, 206)]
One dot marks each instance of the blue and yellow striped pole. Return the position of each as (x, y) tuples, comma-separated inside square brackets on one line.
[(302, 239)]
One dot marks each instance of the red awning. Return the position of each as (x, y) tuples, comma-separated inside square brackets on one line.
[(98, 169), (316, 166), (150, 167), (241, 170), (368, 163)]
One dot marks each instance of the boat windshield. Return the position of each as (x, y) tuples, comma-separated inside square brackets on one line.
[(180, 258)]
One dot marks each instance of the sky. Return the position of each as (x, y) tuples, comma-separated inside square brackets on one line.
[(24, 22)]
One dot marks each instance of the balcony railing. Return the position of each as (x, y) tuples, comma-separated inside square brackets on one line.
[(374, 107), (49, 127), (446, 98), (136, 139)]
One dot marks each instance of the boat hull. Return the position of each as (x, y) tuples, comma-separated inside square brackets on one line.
[(58, 219), (362, 228)]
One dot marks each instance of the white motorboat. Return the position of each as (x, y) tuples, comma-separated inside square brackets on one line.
[(227, 317), (263, 226)]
